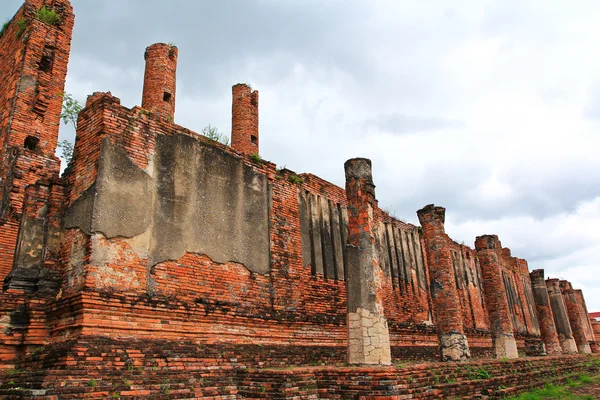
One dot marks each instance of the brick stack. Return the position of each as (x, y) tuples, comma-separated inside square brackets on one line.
[(244, 119), (160, 80)]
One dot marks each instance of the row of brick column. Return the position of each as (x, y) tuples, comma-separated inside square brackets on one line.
[(561, 311)]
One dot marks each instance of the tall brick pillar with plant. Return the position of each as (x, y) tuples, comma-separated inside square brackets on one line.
[(505, 345), (244, 119), (444, 296), (160, 79), (576, 319), (544, 310), (368, 335), (561, 318)]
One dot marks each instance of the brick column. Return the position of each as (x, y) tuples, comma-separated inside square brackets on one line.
[(368, 336), (160, 80), (445, 300), (244, 119), (30, 251), (561, 318), (596, 329), (575, 317), (544, 310), (496, 301), (589, 331)]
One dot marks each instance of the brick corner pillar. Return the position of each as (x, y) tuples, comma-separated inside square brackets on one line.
[(368, 336), (561, 318), (160, 80), (505, 345), (575, 317), (544, 310), (596, 329), (446, 303), (589, 331), (244, 119)]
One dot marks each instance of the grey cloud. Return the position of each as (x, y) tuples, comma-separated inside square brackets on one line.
[(401, 123)]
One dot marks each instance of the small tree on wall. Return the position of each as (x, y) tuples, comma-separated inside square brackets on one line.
[(212, 132), (69, 115)]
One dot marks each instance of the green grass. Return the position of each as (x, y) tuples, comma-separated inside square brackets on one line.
[(47, 16), (560, 392)]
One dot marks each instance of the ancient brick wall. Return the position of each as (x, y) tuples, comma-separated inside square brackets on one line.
[(157, 234)]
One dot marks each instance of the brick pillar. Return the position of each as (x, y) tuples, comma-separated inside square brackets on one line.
[(29, 254), (446, 303), (158, 95), (368, 336), (596, 329), (544, 310), (575, 317), (496, 301), (244, 119), (561, 318), (589, 331)]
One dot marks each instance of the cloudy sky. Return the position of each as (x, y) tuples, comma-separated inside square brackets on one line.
[(489, 108)]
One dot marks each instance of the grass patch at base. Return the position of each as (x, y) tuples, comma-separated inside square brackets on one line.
[(560, 392)]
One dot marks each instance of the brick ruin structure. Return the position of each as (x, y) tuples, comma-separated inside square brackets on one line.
[(159, 250)]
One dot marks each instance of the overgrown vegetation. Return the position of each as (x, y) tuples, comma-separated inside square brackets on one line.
[(213, 133), (69, 115), (47, 16), (560, 392), (70, 110), (256, 158), (295, 179), (22, 24), (4, 28)]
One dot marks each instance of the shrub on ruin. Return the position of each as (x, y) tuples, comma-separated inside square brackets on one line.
[(22, 24), (47, 16), (4, 28), (212, 132)]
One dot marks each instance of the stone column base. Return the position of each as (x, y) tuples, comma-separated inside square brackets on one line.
[(505, 346), (585, 348), (568, 346), (368, 339), (454, 347)]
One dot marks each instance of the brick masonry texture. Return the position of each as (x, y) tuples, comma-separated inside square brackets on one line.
[(163, 264)]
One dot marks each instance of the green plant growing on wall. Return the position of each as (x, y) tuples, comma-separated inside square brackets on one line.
[(69, 115), (4, 28), (295, 179), (22, 24), (70, 110), (256, 158), (47, 16), (212, 132)]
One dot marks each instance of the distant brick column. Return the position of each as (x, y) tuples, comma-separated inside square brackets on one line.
[(575, 317), (589, 331), (244, 119), (160, 80), (561, 318), (446, 303), (544, 310), (368, 336), (496, 301), (596, 329)]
